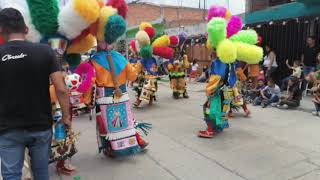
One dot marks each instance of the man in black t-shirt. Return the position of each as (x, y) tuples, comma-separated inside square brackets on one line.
[(25, 108), (309, 56)]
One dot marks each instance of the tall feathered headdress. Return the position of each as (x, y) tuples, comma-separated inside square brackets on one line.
[(148, 43), (231, 43)]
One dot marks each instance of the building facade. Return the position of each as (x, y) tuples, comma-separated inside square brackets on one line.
[(174, 16)]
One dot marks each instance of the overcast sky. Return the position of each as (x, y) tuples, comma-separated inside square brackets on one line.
[(236, 6)]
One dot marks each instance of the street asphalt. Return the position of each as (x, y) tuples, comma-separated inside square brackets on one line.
[(272, 144)]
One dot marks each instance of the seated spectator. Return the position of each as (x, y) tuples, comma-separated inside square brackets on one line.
[(194, 70), (270, 94), (314, 79), (254, 93), (316, 101), (292, 100), (205, 74), (296, 72)]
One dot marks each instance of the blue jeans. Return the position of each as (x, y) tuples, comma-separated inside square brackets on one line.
[(12, 150), (308, 69), (270, 100)]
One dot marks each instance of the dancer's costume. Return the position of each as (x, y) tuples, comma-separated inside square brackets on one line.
[(238, 100), (230, 43), (116, 133), (177, 70), (146, 85), (149, 43), (63, 28)]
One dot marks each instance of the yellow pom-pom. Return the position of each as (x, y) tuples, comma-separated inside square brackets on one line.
[(105, 13), (227, 51), (88, 9), (143, 38), (228, 15), (83, 45), (163, 41), (143, 25), (209, 45), (250, 54)]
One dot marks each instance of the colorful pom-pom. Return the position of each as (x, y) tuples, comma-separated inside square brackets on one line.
[(216, 11), (120, 5), (143, 38), (227, 51), (234, 26), (217, 31), (250, 54), (150, 31), (133, 46), (164, 52), (76, 16), (86, 72), (158, 34), (137, 45), (105, 13), (146, 52), (163, 41), (174, 41), (246, 36), (115, 28), (143, 25), (44, 16), (259, 40)]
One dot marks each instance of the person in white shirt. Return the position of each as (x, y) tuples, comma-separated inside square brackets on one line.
[(194, 70), (270, 62), (296, 72)]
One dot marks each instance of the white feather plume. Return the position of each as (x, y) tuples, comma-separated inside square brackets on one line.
[(71, 23)]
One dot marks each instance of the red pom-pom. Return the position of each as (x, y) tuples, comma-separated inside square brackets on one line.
[(164, 52), (174, 40), (133, 46), (120, 5), (259, 40), (150, 31), (1, 40)]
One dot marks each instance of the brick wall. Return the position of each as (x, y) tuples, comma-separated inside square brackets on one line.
[(174, 16)]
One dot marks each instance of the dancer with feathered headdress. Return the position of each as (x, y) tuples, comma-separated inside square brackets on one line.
[(230, 43)]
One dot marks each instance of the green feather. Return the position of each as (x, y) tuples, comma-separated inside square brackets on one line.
[(246, 36), (217, 31), (44, 14), (146, 52), (115, 28)]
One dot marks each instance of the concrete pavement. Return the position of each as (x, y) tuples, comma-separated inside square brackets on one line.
[(271, 145)]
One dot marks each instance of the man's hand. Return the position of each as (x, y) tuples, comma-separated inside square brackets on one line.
[(118, 92), (62, 95), (66, 119)]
